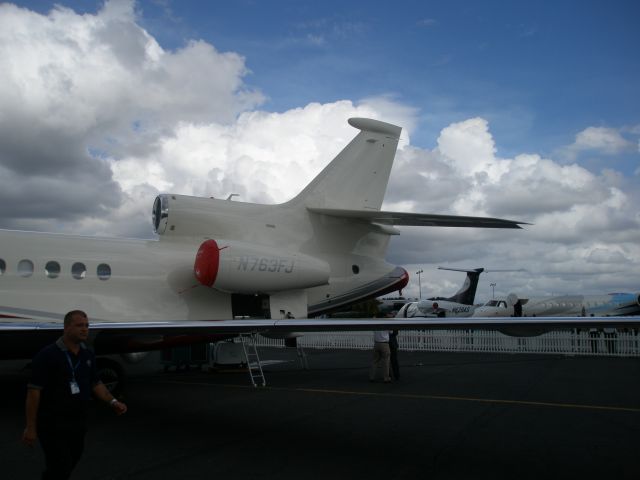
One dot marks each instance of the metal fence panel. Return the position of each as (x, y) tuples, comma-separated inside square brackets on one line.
[(622, 343)]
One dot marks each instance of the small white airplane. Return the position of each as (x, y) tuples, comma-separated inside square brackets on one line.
[(460, 304), (610, 305), (217, 262)]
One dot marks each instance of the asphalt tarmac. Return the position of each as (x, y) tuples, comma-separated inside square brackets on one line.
[(452, 415)]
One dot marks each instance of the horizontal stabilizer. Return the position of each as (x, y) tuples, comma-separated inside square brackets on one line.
[(418, 219), (466, 270)]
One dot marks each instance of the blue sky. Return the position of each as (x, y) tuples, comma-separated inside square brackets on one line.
[(523, 110), (539, 71)]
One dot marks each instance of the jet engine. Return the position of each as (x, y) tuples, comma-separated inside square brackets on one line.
[(241, 267), (183, 215)]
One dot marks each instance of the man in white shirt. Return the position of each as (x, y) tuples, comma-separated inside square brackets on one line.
[(381, 355)]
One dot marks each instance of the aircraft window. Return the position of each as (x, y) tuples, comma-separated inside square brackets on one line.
[(355, 269), (25, 268), (104, 271), (52, 269), (78, 271), (492, 303), (3, 266), (502, 304)]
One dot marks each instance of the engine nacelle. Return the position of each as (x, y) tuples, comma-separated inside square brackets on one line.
[(240, 267), (183, 215)]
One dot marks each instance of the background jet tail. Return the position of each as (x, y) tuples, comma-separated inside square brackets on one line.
[(467, 293), (357, 177)]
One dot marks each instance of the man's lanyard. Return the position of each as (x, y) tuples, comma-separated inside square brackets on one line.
[(73, 368)]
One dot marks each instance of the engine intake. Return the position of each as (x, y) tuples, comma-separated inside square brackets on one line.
[(160, 214)]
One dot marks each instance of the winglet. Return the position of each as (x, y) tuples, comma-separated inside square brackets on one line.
[(375, 126)]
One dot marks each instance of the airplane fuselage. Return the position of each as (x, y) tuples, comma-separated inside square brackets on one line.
[(614, 304), (445, 308), (46, 275), (114, 279)]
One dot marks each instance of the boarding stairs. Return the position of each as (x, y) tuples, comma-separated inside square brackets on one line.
[(254, 366)]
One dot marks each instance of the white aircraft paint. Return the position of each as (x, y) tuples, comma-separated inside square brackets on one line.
[(613, 304)]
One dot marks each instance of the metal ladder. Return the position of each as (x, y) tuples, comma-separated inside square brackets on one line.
[(254, 367)]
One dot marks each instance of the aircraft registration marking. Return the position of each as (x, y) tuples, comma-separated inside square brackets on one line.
[(461, 309), (252, 263), (521, 403)]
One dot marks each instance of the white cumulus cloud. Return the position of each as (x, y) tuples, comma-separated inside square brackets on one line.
[(79, 90), (603, 140), (96, 118)]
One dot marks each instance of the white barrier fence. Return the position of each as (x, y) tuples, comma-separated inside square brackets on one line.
[(622, 344)]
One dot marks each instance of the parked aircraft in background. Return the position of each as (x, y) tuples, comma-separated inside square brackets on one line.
[(610, 305), (219, 260), (390, 305), (460, 304)]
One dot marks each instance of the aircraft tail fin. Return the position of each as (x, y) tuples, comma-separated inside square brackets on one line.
[(357, 177), (467, 293)]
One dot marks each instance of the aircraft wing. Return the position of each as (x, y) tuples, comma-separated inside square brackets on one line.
[(237, 327), (23, 338), (418, 219)]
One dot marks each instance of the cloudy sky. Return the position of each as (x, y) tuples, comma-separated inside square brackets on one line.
[(522, 111)]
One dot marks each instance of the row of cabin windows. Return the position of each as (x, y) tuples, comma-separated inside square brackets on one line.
[(571, 304), (494, 303), (52, 269)]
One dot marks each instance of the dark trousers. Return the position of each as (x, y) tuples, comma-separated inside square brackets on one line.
[(395, 367), (62, 447)]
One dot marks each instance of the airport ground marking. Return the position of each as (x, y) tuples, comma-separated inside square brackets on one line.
[(412, 396), (474, 399)]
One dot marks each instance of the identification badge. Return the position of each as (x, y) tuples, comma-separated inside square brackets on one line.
[(75, 389)]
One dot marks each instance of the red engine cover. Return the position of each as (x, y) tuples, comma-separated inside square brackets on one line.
[(207, 263)]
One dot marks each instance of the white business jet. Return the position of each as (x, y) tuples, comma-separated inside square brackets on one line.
[(221, 268)]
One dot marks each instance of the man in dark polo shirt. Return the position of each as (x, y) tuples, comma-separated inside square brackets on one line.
[(63, 378)]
